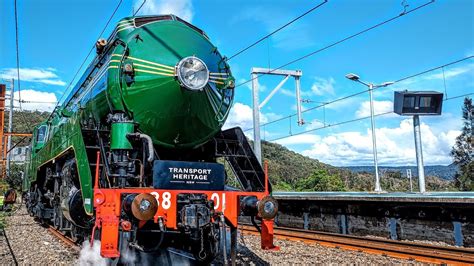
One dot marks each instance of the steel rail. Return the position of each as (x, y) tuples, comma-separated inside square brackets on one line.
[(393, 248), (68, 241)]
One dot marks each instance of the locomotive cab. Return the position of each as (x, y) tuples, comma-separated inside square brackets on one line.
[(40, 134)]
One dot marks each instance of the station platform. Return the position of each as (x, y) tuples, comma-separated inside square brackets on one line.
[(441, 197), (433, 216)]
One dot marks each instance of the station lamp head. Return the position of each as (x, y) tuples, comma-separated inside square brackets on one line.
[(352, 76), (385, 84), (418, 102)]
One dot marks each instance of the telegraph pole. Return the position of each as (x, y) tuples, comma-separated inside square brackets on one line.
[(10, 125)]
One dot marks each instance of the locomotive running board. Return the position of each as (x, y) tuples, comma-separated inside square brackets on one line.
[(235, 148)]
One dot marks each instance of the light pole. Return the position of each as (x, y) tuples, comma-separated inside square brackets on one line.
[(371, 87)]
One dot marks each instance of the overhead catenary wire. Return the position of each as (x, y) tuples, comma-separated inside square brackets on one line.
[(88, 54), (354, 120), (17, 63), (17, 52), (364, 91), (338, 42), (140, 7), (277, 30), (434, 68), (331, 125)]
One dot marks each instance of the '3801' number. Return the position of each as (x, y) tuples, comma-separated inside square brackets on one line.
[(219, 200), (166, 199)]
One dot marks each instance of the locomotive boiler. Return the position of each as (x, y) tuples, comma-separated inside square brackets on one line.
[(135, 156)]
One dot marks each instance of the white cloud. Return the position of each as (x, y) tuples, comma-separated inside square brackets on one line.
[(37, 75), (322, 86), (287, 92), (395, 146), (379, 107), (451, 73), (289, 41), (241, 115), (315, 123), (286, 39), (41, 101), (248, 83), (181, 8)]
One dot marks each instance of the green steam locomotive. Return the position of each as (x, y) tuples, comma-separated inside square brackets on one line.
[(131, 157)]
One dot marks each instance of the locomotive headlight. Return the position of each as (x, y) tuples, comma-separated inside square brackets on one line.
[(192, 73)]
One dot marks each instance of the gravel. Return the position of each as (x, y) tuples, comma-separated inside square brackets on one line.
[(34, 245)]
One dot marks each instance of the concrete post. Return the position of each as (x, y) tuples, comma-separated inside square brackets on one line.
[(298, 100), (419, 154), (374, 140), (257, 148)]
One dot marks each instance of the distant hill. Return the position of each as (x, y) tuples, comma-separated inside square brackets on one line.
[(292, 171), (287, 167), (445, 172)]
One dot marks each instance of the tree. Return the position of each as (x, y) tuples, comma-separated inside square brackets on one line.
[(321, 180), (14, 180), (463, 149)]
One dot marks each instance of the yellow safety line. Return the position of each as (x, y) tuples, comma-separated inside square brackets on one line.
[(112, 67), (155, 68), (218, 78), (117, 61), (154, 72), (215, 81)]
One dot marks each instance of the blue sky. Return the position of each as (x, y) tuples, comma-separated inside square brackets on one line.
[(55, 36)]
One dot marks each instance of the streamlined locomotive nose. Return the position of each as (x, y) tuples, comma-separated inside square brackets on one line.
[(179, 92)]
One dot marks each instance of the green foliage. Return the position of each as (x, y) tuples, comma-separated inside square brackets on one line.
[(290, 171), (286, 168), (14, 180), (463, 149), (464, 179), (321, 180)]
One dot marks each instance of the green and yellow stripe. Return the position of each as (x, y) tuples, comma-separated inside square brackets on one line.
[(145, 66), (125, 24), (218, 78)]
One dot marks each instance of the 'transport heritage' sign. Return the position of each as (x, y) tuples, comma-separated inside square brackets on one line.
[(188, 175)]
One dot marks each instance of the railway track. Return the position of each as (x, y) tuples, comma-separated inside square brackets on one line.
[(393, 248), (68, 241)]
